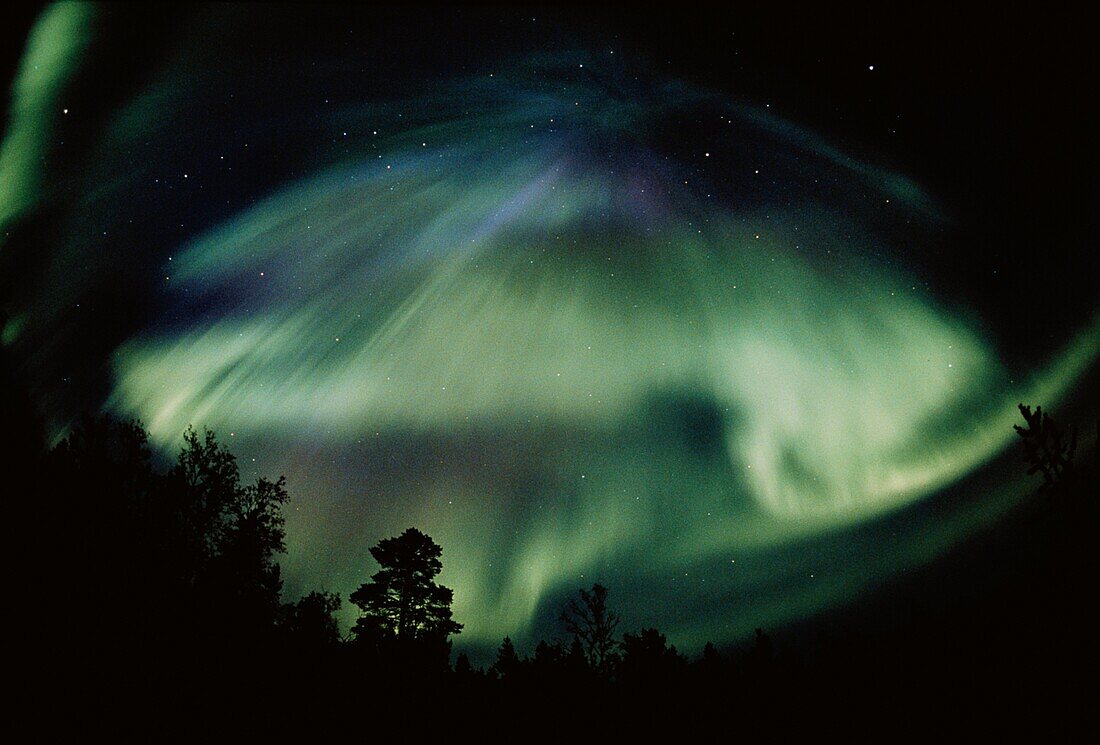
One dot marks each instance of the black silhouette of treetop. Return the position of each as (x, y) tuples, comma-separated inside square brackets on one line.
[(229, 536), (1045, 446), (402, 600), (208, 474), (508, 662), (590, 621), (312, 621), (647, 657), (252, 533)]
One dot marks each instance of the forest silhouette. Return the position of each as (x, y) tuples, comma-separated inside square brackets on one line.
[(162, 579)]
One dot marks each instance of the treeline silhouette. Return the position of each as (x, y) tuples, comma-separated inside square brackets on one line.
[(166, 574)]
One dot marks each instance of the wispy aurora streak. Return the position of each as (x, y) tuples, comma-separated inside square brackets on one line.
[(556, 286), (518, 313)]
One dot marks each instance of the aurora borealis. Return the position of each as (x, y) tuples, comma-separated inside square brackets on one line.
[(576, 317)]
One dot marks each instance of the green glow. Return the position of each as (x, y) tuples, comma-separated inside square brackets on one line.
[(512, 320), (54, 50), (536, 325)]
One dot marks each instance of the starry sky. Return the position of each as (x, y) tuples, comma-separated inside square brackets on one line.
[(727, 315)]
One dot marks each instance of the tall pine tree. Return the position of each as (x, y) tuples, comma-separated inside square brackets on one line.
[(402, 601)]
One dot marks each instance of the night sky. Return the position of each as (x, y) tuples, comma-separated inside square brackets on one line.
[(730, 314)]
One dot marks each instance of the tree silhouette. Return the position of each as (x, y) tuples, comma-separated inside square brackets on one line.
[(311, 622), (183, 559), (208, 483), (576, 664), (709, 667), (245, 567), (508, 663), (761, 657), (106, 520), (710, 655), (647, 658), (1046, 448), (402, 599), (228, 536), (593, 624), (463, 669), (548, 656)]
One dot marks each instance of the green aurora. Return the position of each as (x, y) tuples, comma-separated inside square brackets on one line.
[(507, 312)]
